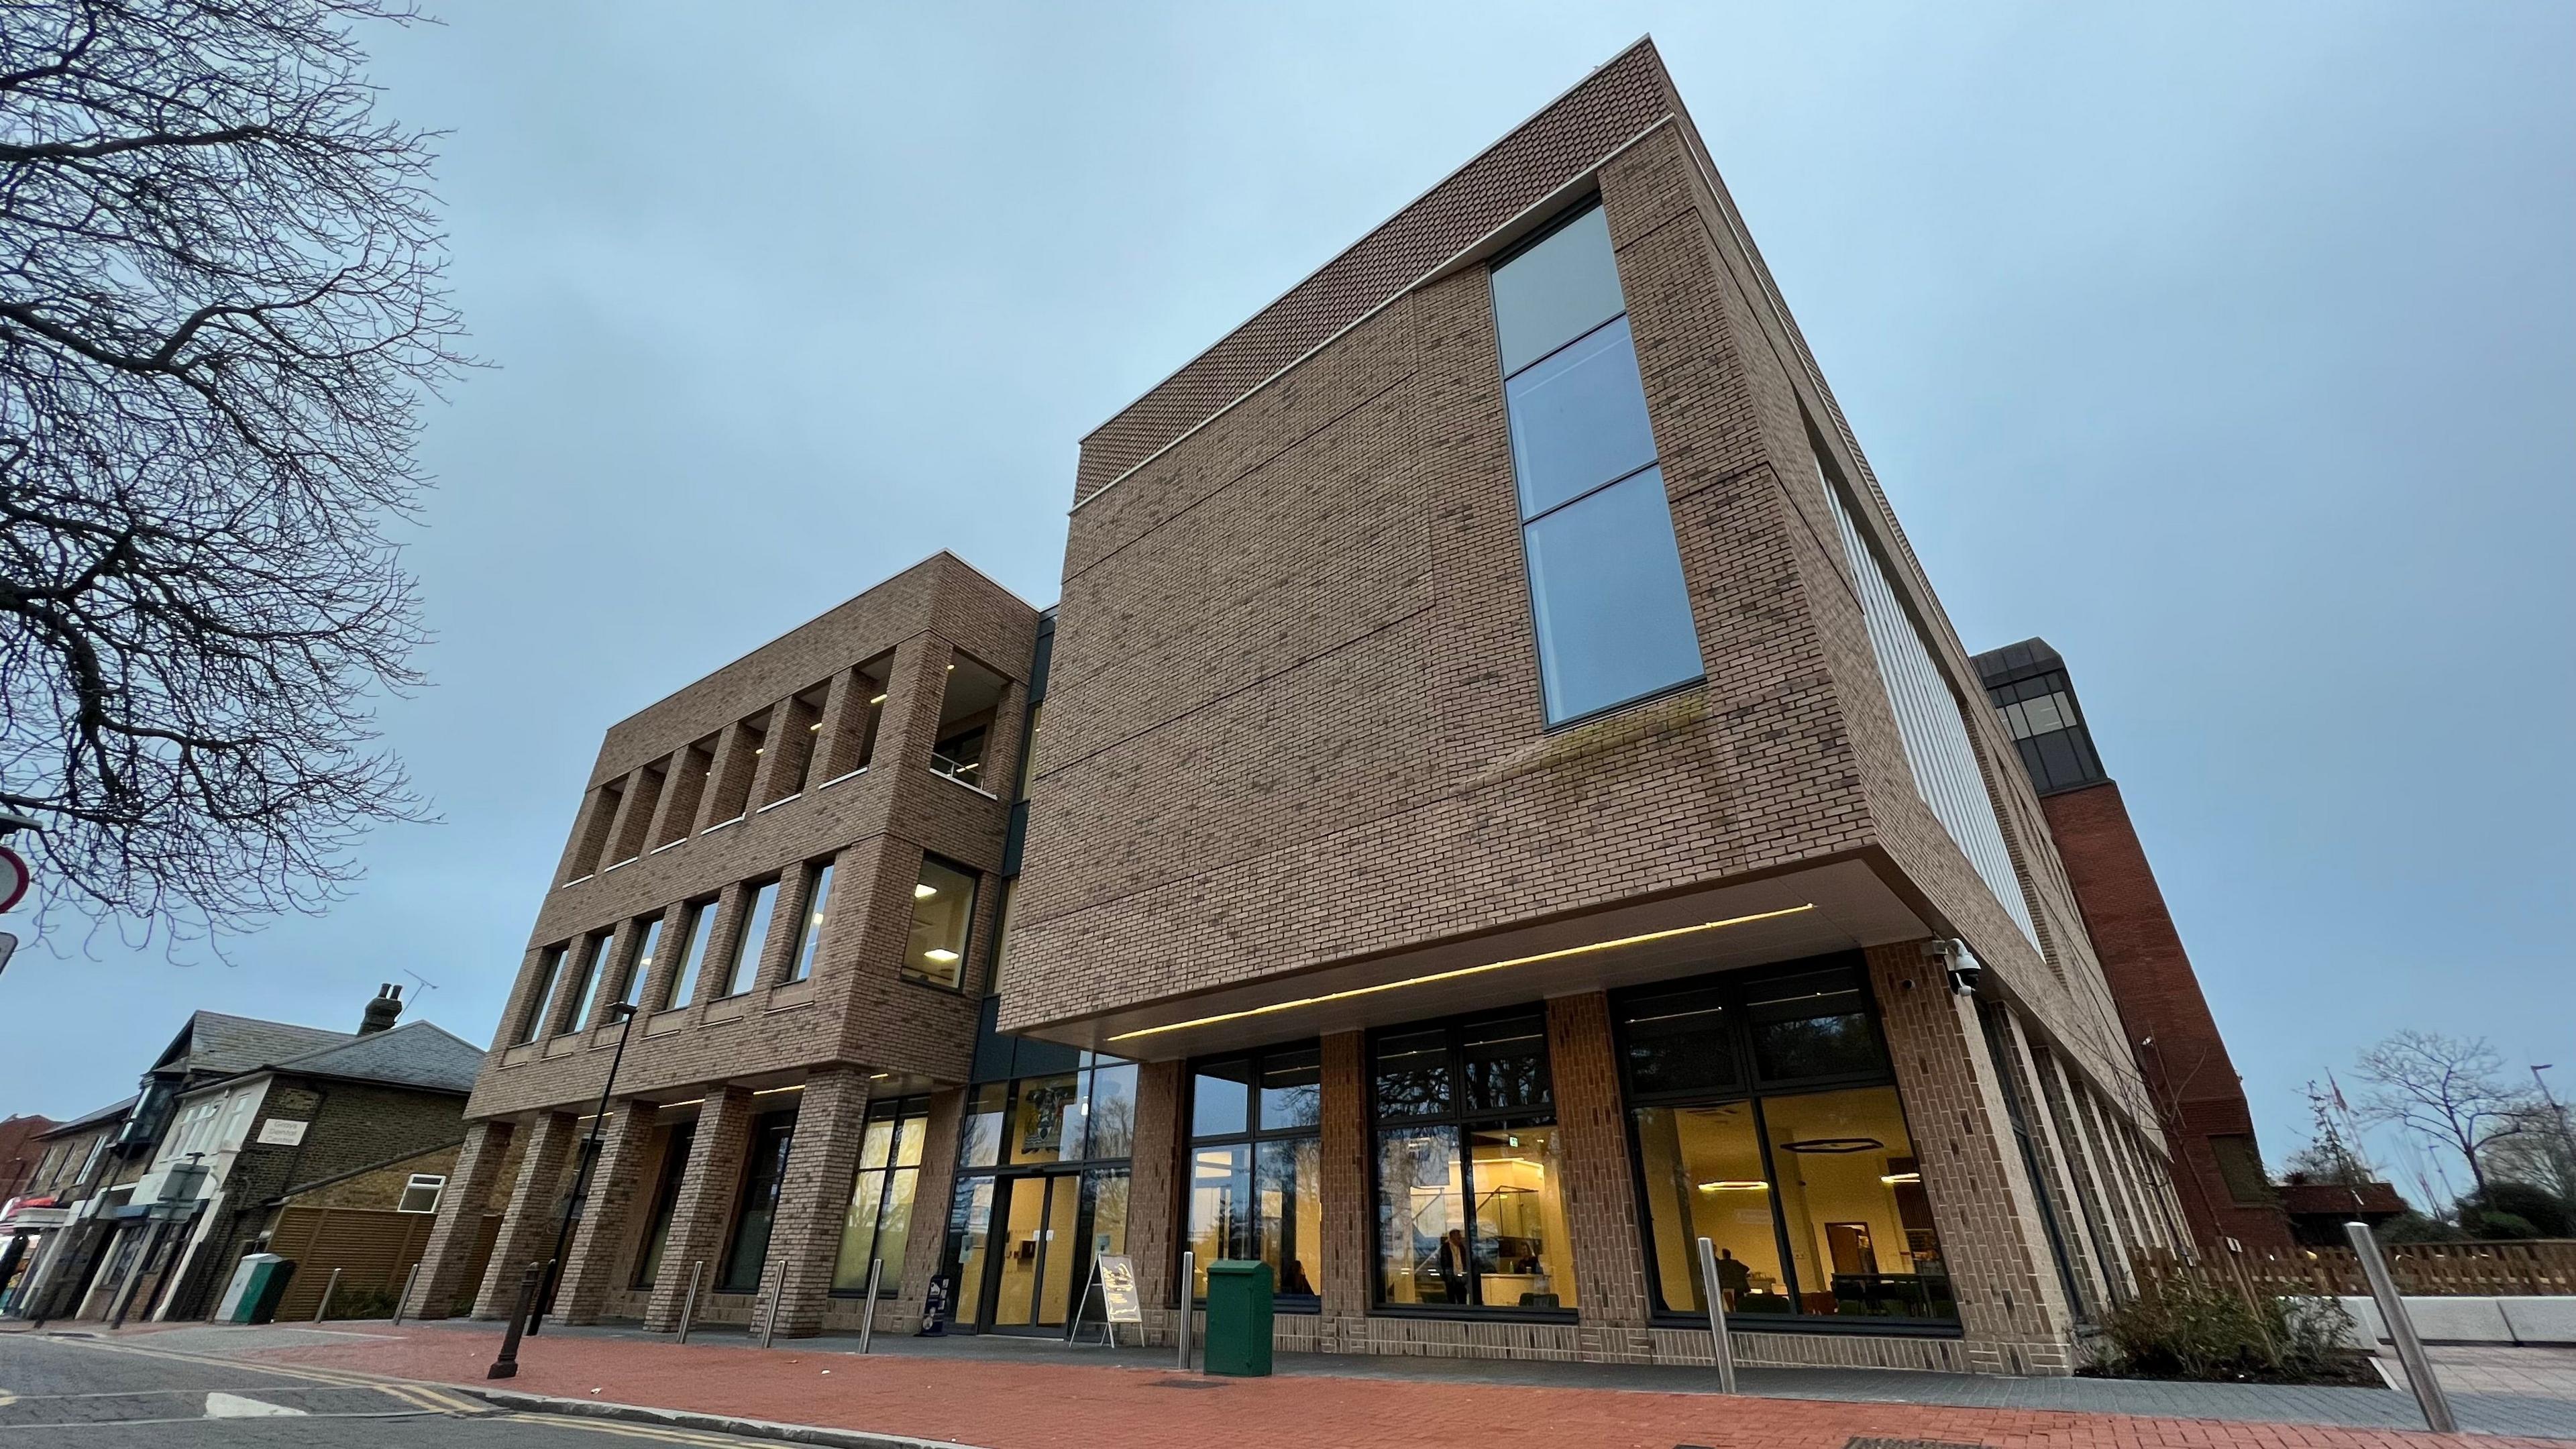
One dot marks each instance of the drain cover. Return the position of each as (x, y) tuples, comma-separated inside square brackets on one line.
[(1185, 1384)]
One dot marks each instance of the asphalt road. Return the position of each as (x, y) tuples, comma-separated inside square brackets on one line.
[(67, 1392)]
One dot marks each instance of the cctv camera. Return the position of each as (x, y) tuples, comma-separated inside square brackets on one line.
[(1961, 963)]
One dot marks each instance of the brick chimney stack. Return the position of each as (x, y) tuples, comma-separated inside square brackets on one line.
[(381, 1011)]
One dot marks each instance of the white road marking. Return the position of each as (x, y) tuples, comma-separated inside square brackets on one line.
[(234, 1406)]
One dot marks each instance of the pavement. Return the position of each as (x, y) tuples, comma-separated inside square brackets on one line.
[(64, 1390), (998, 1393)]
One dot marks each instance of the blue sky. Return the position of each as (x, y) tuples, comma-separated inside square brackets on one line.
[(2232, 348)]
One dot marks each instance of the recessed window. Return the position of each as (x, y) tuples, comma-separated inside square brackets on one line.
[(646, 933), (853, 736), (1607, 594), (742, 959), (809, 924), (737, 768), (943, 906), (756, 1208), (532, 1020), (630, 836), (966, 714), (692, 771), (676, 1141), (421, 1193), (699, 935), (878, 1224), (1470, 1207), (585, 980)]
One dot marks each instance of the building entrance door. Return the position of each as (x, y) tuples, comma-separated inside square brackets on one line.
[(1037, 1252)]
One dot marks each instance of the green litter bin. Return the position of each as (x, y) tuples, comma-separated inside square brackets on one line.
[(1238, 1319), (256, 1286)]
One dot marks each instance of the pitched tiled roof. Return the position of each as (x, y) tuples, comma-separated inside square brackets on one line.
[(108, 1113), (214, 1044), (414, 1055)]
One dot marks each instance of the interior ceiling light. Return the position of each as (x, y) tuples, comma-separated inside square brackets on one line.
[(1893, 1178), (880, 699), (1734, 1186), (924, 892), (940, 954), (1833, 1146), (1304, 1001)]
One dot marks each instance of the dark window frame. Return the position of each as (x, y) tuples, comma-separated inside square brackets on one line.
[(965, 946), (1085, 1170), (1463, 1119), (904, 1113), (1736, 987), (1253, 1135)]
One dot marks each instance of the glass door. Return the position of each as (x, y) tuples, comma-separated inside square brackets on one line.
[(1036, 1251)]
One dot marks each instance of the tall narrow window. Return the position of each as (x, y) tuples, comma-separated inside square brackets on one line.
[(943, 904), (676, 1141), (966, 721), (1469, 1205), (639, 820), (690, 774), (593, 842), (742, 961), (541, 994), (1256, 1166), (647, 936), (1606, 592), (879, 1221), (585, 980), (809, 924), (756, 1208), (693, 953)]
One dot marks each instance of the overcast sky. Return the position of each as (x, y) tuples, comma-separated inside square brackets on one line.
[(2232, 348)]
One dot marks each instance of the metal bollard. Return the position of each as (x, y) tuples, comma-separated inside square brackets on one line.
[(507, 1365), (689, 1305), (327, 1290), (1724, 1349), (1189, 1276), (410, 1281), (2410, 1349), (769, 1319), (868, 1320)]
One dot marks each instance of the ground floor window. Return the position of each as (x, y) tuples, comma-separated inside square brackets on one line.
[(666, 1200), (879, 1221), (747, 1250), (1758, 1127), (1470, 1210), (1256, 1167), (1041, 1192)]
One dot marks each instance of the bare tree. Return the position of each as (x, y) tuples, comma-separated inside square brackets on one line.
[(220, 313), (2449, 1091), (2543, 1154)]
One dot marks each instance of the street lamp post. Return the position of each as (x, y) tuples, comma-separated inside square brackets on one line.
[(537, 1305)]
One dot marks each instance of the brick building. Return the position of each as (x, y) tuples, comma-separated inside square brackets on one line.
[(1508, 804), (2199, 1098)]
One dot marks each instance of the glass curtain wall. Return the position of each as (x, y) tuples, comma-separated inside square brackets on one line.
[(1256, 1167), (1766, 1119), (1470, 1212), (1042, 1165), (1612, 614)]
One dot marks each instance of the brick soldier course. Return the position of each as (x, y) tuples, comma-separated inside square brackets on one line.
[(1296, 789)]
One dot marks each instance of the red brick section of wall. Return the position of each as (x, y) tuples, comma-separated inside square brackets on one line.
[(1596, 1181), (529, 1224), (813, 1201), (2183, 1058), (589, 1275), (708, 1186), (449, 1258)]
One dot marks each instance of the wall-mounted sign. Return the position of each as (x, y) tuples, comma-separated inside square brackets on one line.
[(14, 876), (279, 1132)]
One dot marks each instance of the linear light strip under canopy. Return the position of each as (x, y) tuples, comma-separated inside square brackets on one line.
[(1304, 1001)]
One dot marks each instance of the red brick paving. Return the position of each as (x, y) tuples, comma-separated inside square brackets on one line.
[(1010, 1404)]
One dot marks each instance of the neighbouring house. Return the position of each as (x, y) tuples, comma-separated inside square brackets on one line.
[(2318, 1210), (20, 1151), (239, 1119), (71, 1158)]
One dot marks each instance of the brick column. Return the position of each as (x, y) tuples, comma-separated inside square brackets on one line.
[(814, 1200), (2092, 1197), (624, 823), (732, 757), (915, 693), (1597, 1183), (773, 757), (1154, 1193), (682, 788), (449, 1255), (2092, 1280), (833, 759), (529, 1223), (1345, 1270), (704, 1208), (928, 1241), (2014, 1313), (589, 1269)]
